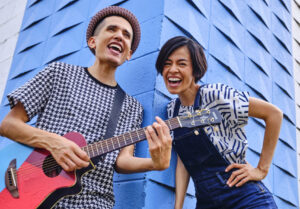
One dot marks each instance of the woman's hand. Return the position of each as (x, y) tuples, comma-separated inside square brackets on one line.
[(245, 173)]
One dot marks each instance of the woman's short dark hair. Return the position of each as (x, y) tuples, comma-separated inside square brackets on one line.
[(196, 52)]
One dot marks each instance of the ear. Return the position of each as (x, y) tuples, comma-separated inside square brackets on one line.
[(129, 55), (92, 42)]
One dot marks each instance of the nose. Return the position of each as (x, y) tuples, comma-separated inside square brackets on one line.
[(173, 68), (118, 35)]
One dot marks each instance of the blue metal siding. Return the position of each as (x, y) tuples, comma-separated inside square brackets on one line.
[(248, 46)]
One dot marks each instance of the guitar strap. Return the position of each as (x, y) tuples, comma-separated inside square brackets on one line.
[(115, 113), (114, 118)]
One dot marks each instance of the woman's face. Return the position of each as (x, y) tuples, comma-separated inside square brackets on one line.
[(178, 71)]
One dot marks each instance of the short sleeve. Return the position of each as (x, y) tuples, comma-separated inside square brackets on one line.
[(34, 94), (232, 103), (139, 119)]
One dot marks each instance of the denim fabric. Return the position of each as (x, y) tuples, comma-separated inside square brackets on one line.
[(206, 166), (212, 192)]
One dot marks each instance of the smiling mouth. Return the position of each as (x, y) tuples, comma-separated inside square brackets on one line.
[(174, 81), (115, 47)]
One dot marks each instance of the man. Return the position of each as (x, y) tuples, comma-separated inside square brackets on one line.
[(73, 98)]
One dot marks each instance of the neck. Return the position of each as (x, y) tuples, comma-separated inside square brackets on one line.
[(187, 98), (103, 72), (107, 145)]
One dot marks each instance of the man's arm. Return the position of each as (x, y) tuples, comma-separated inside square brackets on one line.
[(67, 154), (160, 145)]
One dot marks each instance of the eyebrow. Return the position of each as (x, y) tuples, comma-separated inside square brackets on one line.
[(182, 60), (116, 26), (177, 60)]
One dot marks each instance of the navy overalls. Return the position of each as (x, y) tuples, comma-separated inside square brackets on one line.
[(206, 166)]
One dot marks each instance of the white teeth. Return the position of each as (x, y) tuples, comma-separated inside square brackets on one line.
[(115, 46), (174, 79)]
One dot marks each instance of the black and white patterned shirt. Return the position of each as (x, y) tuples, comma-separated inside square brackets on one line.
[(67, 98), (229, 138)]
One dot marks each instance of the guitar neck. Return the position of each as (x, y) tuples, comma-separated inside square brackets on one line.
[(117, 142)]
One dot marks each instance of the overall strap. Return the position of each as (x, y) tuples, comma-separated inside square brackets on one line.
[(197, 103), (115, 113)]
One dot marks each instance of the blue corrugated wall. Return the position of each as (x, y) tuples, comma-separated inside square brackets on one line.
[(248, 46)]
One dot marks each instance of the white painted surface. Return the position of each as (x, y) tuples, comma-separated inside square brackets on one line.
[(11, 16)]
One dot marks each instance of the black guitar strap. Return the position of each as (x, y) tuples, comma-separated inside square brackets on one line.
[(115, 113), (113, 118)]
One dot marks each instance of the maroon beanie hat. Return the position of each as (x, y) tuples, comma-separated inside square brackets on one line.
[(115, 11)]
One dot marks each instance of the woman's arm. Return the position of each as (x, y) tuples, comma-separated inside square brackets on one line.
[(182, 181), (273, 118)]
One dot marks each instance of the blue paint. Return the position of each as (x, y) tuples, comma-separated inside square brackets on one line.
[(247, 44)]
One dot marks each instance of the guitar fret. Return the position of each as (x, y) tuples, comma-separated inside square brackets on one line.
[(118, 141), (170, 126), (124, 139), (137, 134), (101, 146), (107, 145), (92, 150), (112, 142), (179, 121), (88, 152), (97, 149), (130, 137)]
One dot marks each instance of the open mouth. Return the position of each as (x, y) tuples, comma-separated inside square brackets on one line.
[(115, 48), (174, 81)]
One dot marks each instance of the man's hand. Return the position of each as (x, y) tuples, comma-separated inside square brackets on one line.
[(68, 154), (244, 174), (160, 144)]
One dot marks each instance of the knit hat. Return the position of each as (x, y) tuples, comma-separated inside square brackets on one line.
[(115, 11)]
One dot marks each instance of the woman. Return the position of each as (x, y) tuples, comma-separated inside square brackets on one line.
[(215, 156)]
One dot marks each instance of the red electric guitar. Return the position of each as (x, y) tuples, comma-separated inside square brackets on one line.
[(40, 182)]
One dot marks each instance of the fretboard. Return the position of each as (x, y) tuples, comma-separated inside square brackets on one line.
[(117, 142)]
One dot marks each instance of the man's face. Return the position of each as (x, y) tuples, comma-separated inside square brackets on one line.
[(112, 43)]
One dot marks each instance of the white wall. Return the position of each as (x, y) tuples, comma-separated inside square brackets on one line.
[(11, 16), (296, 55)]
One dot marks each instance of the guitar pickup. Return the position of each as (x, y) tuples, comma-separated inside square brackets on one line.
[(11, 179)]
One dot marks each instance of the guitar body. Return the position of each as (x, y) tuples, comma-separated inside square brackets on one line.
[(45, 184), (39, 189)]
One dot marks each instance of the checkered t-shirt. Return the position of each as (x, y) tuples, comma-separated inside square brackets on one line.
[(67, 98)]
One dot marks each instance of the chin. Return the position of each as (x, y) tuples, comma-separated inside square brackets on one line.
[(173, 91), (115, 62)]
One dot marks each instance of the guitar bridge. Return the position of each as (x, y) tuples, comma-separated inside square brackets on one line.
[(11, 179)]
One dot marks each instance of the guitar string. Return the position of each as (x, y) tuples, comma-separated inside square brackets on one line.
[(106, 145), (52, 164)]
